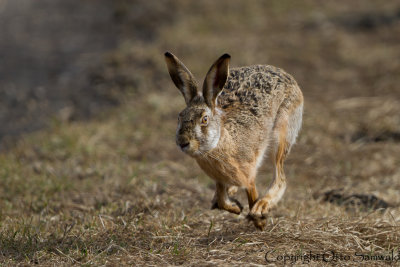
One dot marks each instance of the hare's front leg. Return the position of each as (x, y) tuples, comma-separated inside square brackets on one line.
[(223, 201)]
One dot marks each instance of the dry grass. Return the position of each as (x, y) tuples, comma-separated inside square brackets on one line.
[(116, 190)]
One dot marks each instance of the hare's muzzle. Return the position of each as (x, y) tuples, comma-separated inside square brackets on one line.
[(183, 143), (184, 146)]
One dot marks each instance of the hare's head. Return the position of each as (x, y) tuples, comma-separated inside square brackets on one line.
[(199, 124)]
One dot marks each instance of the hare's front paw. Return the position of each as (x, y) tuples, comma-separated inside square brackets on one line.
[(232, 206), (232, 191)]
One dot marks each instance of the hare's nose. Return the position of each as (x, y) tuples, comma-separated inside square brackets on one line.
[(183, 142), (184, 145)]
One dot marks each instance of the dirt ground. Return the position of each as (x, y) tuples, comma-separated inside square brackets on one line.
[(114, 189)]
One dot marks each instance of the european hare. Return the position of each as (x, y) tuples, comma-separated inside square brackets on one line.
[(228, 126)]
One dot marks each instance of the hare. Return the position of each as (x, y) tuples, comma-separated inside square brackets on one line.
[(228, 126)]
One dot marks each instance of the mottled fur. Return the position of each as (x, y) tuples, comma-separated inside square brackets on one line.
[(250, 110)]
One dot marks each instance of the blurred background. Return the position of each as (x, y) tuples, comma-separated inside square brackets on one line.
[(88, 115), (56, 63)]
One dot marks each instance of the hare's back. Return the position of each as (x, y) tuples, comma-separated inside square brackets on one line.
[(255, 88)]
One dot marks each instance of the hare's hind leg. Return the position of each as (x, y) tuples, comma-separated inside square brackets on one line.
[(277, 187), (252, 194), (285, 131)]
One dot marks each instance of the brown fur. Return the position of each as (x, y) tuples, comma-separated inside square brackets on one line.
[(254, 109)]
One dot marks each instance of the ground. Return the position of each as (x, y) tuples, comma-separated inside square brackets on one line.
[(115, 189)]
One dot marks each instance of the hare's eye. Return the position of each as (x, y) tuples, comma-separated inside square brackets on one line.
[(204, 120)]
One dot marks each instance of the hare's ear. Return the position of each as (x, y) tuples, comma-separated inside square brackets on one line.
[(216, 79), (182, 77)]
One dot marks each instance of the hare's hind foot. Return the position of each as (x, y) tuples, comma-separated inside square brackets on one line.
[(258, 213), (223, 200), (260, 208), (259, 222)]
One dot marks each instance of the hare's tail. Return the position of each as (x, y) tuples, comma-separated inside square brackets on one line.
[(294, 124)]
